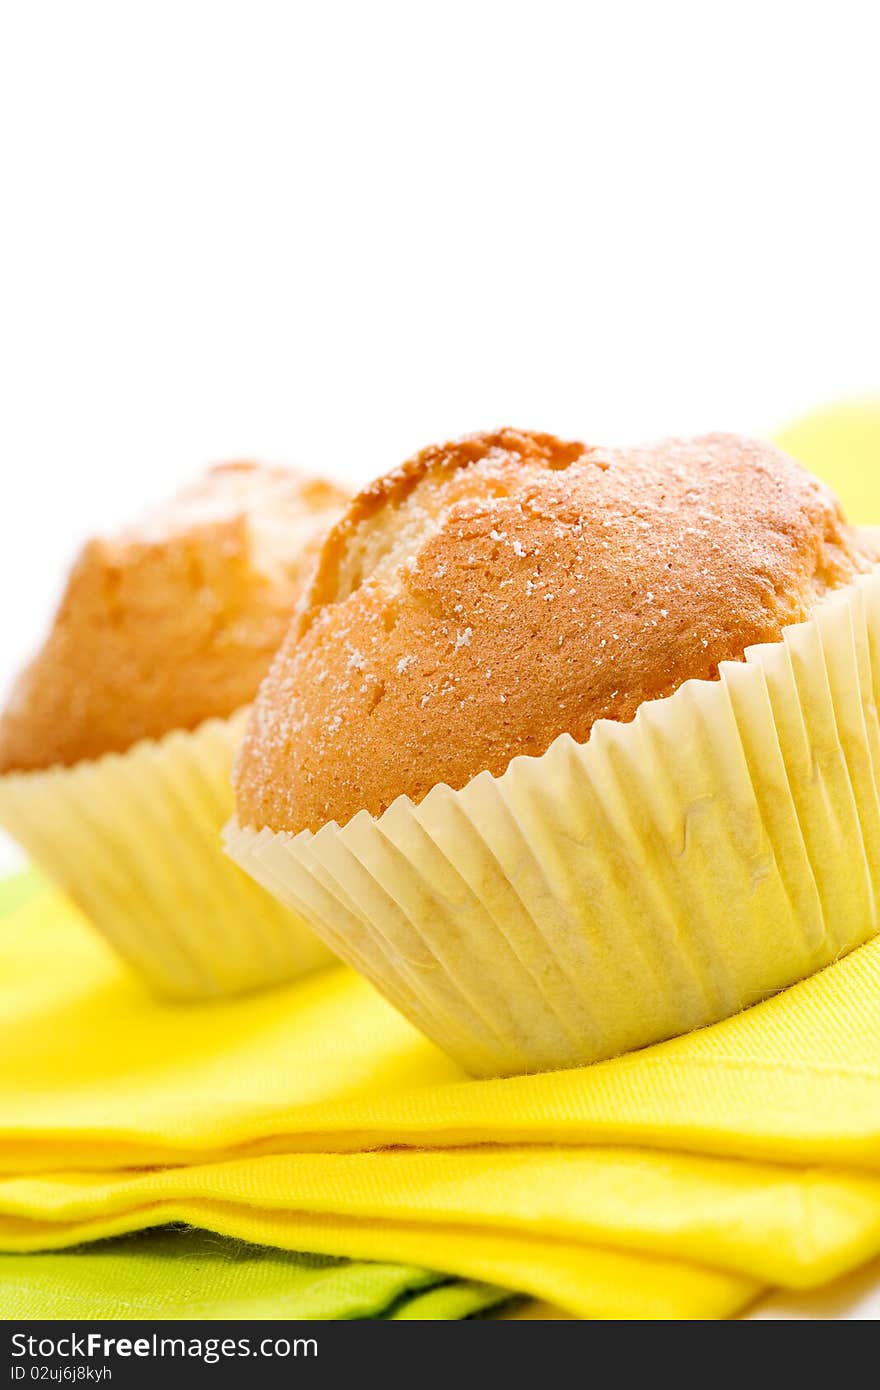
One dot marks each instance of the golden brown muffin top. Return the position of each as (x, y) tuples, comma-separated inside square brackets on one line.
[(496, 592), (173, 620)]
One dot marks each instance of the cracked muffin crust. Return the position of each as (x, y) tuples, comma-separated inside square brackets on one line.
[(500, 590)]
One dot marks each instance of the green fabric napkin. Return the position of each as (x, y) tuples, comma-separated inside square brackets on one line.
[(176, 1273)]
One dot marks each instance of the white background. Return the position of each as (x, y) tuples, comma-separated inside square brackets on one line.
[(331, 233)]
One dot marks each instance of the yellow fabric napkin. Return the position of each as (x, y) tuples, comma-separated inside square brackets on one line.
[(842, 445), (676, 1182), (602, 1190), (95, 1072)]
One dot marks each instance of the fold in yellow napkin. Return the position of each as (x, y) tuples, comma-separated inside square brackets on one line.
[(785, 1225), (676, 1182)]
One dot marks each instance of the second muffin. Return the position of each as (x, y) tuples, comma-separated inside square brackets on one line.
[(117, 741)]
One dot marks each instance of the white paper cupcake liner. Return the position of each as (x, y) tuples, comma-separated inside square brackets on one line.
[(134, 839), (604, 896)]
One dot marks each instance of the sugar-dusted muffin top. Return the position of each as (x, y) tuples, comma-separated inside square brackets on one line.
[(173, 620), (496, 592)]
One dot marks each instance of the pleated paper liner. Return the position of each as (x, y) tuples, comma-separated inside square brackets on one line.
[(607, 895), (134, 839)]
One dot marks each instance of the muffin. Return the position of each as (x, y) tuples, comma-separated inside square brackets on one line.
[(117, 740), (570, 749)]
